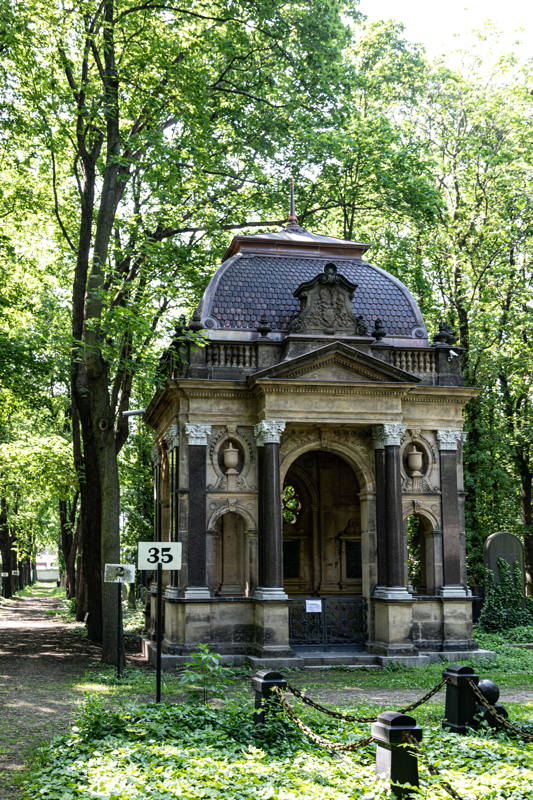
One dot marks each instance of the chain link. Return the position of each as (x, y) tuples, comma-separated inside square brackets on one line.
[(501, 719), (351, 717), (315, 737), (425, 698), (337, 714)]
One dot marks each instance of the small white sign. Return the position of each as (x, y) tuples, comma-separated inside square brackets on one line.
[(119, 573), (313, 606), (4, 574), (15, 572), (150, 554)]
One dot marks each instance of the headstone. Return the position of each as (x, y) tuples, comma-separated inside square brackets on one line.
[(503, 545)]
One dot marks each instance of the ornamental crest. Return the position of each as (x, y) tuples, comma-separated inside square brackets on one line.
[(325, 306)]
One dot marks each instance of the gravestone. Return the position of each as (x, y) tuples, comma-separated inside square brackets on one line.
[(503, 545)]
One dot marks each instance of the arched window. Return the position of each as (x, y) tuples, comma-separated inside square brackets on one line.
[(423, 561)]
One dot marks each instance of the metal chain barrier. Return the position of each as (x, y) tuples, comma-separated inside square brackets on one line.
[(315, 737), (350, 717), (501, 719), (337, 714), (432, 769), (425, 698)]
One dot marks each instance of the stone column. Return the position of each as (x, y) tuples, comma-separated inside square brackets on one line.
[(197, 435), (270, 584), (381, 529), (452, 542), (156, 460), (172, 442), (389, 516)]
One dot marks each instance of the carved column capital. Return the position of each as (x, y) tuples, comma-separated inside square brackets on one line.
[(386, 435), (197, 433), (269, 431), (172, 437), (448, 439), (156, 455)]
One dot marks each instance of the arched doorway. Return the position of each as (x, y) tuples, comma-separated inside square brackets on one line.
[(322, 564)]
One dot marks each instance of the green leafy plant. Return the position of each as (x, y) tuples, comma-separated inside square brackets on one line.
[(203, 676), (505, 605)]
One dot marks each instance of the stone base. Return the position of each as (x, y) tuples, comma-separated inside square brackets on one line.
[(317, 660)]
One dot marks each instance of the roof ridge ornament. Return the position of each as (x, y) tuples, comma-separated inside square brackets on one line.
[(293, 219)]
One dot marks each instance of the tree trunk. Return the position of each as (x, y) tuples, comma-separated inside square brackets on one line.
[(107, 466)]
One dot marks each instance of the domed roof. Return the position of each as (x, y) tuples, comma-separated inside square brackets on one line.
[(261, 272)]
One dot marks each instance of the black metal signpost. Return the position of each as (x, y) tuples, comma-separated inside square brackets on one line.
[(150, 556), (159, 632)]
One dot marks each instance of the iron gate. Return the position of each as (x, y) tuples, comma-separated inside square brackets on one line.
[(341, 622)]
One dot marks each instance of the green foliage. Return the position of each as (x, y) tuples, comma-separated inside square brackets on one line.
[(505, 604), (170, 751), (204, 676), (291, 504)]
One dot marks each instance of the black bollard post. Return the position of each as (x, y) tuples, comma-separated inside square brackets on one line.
[(263, 683), (396, 756), (491, 693), (461, 705)]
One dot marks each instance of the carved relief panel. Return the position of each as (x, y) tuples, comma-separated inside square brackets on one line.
[(231, 463)]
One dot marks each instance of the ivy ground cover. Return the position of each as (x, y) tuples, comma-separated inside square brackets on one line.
[(188, 751)]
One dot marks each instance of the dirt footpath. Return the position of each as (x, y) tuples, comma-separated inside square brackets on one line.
[(40, 660)]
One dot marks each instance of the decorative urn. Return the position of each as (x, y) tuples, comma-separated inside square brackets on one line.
[(415, 460), (231, 459)]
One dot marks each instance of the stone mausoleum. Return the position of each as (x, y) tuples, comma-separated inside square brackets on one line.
[(306, 457)]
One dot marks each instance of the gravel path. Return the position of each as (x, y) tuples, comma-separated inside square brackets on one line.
[(40, 660)]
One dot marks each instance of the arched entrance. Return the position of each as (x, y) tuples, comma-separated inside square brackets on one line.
[(322, 564)]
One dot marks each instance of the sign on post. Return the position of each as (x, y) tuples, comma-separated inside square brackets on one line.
[(15, 572), (4, 574), (159, 556), (119, 573), (150, 554)]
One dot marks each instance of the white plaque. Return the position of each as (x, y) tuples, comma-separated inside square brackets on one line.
[(150, 554), (15, 572), (119, 573), (313, 606), (4, 574)]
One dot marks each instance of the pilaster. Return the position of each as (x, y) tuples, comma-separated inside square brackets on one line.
[(197, 436), (453, 566)]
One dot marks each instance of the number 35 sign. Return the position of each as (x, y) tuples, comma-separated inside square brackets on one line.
[(150, 554)]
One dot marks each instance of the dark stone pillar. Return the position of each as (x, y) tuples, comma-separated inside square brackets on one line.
[(392, 565), (172, 443), (397, 568), (156, 458), (452, 540), (197, 529), (381, 528), (270, 540)]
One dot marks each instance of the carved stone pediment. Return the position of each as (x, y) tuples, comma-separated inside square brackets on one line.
[(336, 362), (326, 306)]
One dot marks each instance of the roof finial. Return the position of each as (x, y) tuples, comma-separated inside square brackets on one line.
[(293, 219)]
